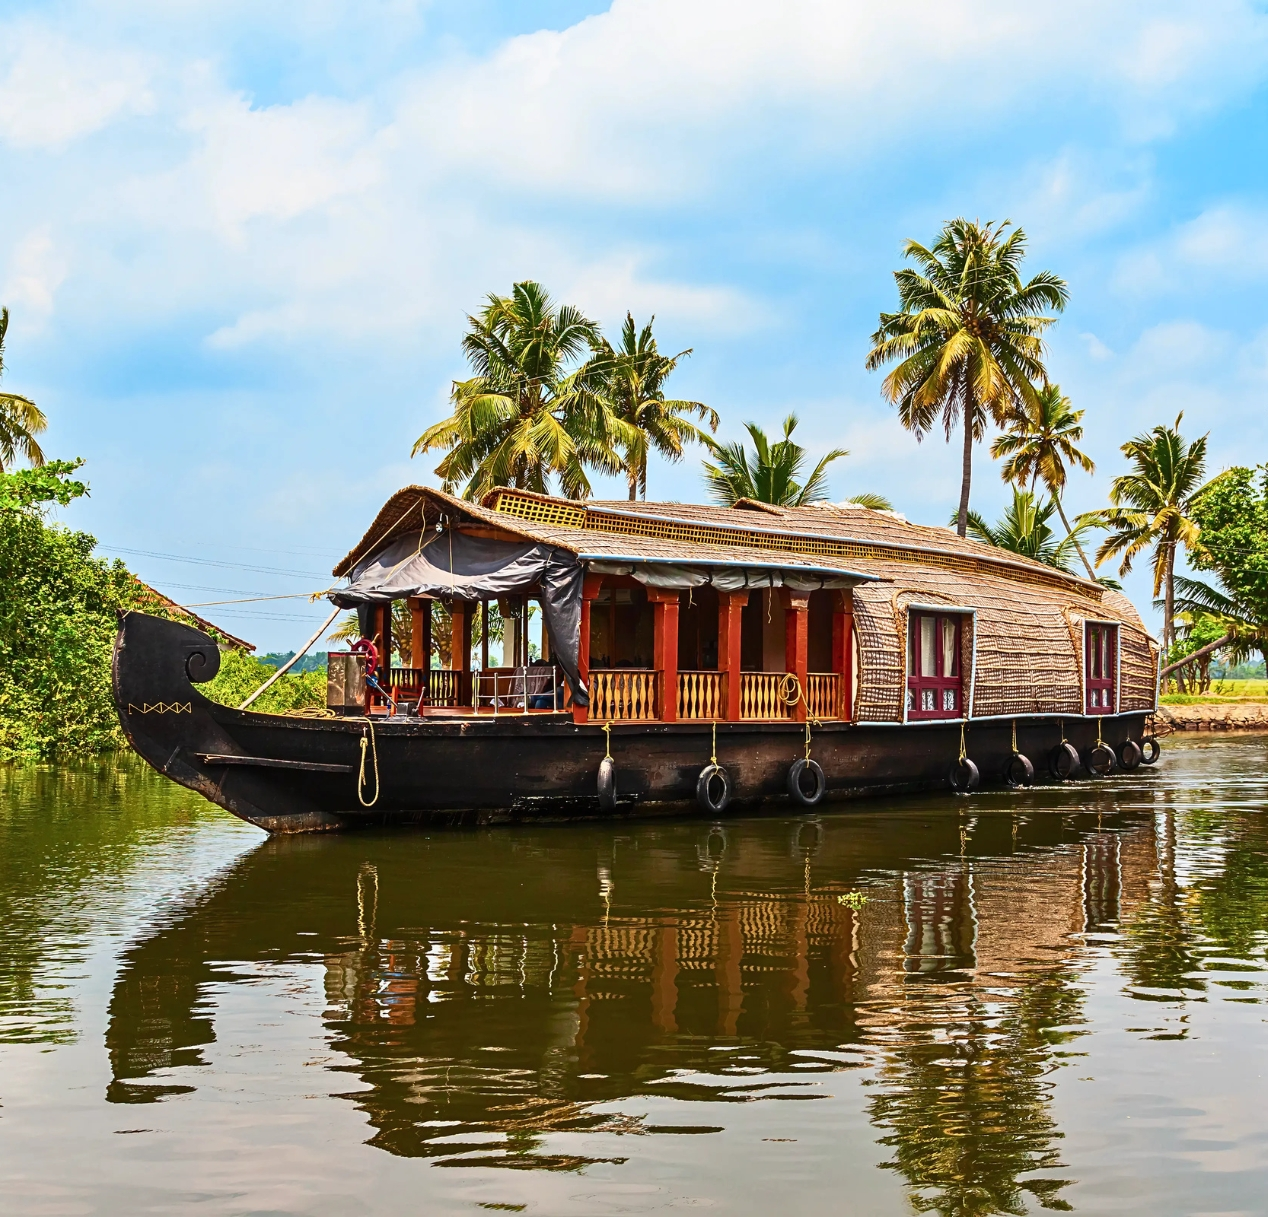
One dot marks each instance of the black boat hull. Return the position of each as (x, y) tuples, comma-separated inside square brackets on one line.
[(289, 774)]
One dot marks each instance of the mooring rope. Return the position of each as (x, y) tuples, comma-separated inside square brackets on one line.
[(963, 749), (607, 731), (374, 748), (790, 689), (1014, 735), (713, 760)]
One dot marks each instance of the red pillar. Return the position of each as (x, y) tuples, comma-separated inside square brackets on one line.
[(843, 650), (460, 647), (797, 644), (590, 588), (665, 648), (730, 605)]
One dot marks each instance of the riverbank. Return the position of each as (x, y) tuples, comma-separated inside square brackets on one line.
[(1216, 716)]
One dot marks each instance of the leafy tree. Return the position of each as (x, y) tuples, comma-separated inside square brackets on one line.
[(634, 376), (1153, 508), (241, 674), (21, 420), (1039, 443), (1232, 516), (534, 409), (967, 336), (1025, 530), (771, 474)]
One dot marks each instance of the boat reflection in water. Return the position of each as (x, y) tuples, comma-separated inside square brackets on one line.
[(492, 990)]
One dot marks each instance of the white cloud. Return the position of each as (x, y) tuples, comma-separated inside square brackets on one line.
[(55, 91), (36, 270)]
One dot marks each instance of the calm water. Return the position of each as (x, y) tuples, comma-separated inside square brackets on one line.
[(996, 1005)]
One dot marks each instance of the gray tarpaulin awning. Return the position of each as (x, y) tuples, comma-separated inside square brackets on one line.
[(450, 565)]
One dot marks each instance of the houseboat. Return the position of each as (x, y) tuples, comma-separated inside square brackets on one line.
[(692, 658)]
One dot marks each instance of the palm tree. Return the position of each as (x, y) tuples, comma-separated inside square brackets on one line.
[(967, 335), (634, 376), (1152, 506), (524, 417), (1039, 443), (770, 476), (1025, 530), (21, 420)]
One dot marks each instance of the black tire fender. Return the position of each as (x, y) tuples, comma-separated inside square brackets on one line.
[(706, 783), (1019, 771), (1129, 755), (796, 771), (607, 784), (1099, 760), (964, 776), (1062, 761), (1150, 750)]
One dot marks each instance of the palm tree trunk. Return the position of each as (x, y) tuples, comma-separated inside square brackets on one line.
[(1056, 498), (632, 475), (962, 521), (1168, 629)]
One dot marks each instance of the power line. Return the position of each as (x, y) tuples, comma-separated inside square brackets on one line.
[(260, 570)]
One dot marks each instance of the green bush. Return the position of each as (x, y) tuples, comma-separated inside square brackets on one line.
[(240, 675)]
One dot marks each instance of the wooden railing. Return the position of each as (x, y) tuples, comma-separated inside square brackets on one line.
[(447, 688), (623, 694), (761, 696), (701, 695), (823, 695)]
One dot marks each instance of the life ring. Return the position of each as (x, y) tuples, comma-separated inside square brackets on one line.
[(705, 784), (964, 776), (1099, 760), (1019, 771), (1062, 761), (607, 784), (1150, 750), (798, 769), (1129, 755)]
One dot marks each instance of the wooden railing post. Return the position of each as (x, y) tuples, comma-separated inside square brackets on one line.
[(797, 646), (590, 588), (730, 606), (843, 650), (664, 604)]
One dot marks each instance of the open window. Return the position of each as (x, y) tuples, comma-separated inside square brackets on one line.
[(1101, 644), (935, 685)]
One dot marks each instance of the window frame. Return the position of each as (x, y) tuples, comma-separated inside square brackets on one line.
[(914, 683), (1101, 684)]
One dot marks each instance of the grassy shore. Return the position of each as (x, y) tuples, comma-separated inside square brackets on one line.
[(1222, 692)]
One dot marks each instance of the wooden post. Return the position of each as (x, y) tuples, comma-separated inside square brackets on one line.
[(590, 588), (797, 645), (664, 604), (416, 632), (460, 647), (545, 632), (730, 606), (484, 634), (843, 650)]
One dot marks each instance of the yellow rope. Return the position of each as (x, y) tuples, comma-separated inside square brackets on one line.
[(1062, 722), (1014, 735), (790, 689), (810, 722), (713, 760), (607, 731), (1099, 742), (963, 750), (373, 745), (311, 712)]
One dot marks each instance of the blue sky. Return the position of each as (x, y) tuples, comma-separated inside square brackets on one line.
[(239, 241)]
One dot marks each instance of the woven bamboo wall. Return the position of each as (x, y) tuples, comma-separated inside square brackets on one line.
[(1029, 645)]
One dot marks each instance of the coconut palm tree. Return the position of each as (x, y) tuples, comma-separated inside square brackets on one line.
[(771, 474), (1151, 508), (1024, 529), (967, 337), (21, 420), (1039, 443), (525, 417), (634, 376)]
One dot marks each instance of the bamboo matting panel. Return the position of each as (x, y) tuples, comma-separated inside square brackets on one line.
[(1138, 673)]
